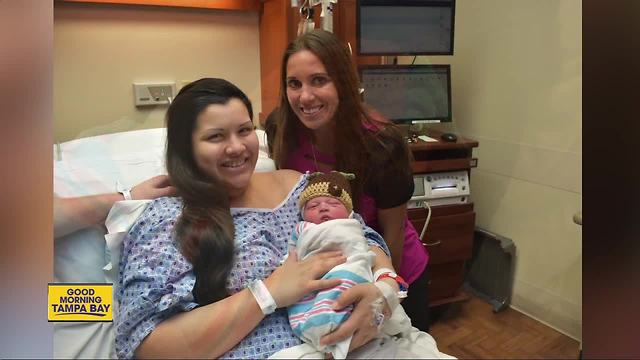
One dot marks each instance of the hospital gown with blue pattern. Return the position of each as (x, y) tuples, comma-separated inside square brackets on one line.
[(156, 281)]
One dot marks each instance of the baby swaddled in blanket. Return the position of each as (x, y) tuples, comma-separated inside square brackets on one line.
[(328, 225), (327, 211)]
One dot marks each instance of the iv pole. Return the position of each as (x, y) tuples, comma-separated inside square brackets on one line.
[(306, 14)]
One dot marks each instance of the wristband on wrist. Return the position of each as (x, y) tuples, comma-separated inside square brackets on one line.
[(381, 271), (388, 273), (126, 192), (263, 297)]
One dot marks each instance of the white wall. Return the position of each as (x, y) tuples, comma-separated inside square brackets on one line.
[(100, 50), (516, 82)]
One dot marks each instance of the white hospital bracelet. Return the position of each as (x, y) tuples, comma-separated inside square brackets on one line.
[(126, 192), (263, 297), (389, 294)]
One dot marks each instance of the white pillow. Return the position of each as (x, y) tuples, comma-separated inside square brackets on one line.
[(91, 166)]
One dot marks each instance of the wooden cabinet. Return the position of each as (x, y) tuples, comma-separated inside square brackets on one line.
[(449, 235), (449, 240), (279, 26)]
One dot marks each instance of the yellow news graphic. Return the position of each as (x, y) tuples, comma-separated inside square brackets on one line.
[(80, 302)]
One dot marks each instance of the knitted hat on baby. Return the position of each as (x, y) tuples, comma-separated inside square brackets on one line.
[(334, 184)]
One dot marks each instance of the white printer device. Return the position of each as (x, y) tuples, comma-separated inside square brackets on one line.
[(444, 188)]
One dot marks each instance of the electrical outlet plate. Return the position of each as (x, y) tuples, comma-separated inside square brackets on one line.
[(153, 93)]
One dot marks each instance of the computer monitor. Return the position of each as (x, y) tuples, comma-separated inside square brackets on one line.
[(408, 94), (405, 27)]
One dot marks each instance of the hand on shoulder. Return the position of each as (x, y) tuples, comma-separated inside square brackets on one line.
[(153, 188)]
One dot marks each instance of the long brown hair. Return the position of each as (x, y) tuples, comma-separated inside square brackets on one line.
[(354, 145), (204, 231)]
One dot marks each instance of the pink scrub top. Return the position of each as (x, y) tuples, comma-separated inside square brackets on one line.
[(414, 257)]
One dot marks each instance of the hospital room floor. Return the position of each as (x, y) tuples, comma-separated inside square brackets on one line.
[(470, 330)]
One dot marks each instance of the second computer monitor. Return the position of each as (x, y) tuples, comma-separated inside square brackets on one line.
[(405, 27), (408, 94)]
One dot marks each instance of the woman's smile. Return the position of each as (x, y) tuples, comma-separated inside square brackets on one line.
[(311, 111), (236, 166), (235, 163)]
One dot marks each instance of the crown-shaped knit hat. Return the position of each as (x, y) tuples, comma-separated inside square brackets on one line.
[(334, 184)]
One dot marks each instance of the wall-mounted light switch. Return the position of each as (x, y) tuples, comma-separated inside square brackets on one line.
[(153, 93)]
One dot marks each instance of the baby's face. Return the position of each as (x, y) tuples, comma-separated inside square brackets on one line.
[(324, 208)]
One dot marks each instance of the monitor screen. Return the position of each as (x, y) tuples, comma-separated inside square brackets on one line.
[(408, 93), (401, 27)]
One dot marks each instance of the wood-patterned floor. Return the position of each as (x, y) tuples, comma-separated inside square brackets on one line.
[(471, 330)]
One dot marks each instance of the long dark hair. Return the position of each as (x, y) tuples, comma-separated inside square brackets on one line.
[(354, 145), (204, 231)]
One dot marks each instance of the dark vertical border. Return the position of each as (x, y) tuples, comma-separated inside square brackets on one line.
[(611, 181)]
